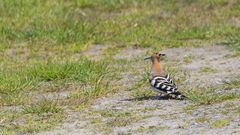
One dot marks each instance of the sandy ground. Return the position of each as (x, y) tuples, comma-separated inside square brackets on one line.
[(155, 115)]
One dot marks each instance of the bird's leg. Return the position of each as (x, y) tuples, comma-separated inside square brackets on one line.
[(173, 96), (163, 94)]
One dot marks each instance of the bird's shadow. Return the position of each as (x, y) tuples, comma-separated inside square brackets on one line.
[(167, 97)]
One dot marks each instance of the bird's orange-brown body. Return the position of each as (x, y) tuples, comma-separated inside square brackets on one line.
[(156, 69)]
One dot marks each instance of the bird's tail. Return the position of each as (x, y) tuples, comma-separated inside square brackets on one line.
[(179, 95)]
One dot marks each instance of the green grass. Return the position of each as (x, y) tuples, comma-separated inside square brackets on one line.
[(207, 70), (143, 22), (207, 98), (41, 43), (210, 95), (15, 83), (42, 107), (202, 119), (234, 43), (17, 87), (219, 123), (187, 59)]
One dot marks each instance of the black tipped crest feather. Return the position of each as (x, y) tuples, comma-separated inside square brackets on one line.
[(155, 54)]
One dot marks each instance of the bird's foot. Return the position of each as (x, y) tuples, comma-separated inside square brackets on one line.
[(180, 97), (163, 94)]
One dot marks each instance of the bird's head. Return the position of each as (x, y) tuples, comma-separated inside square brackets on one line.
[(155, 57)]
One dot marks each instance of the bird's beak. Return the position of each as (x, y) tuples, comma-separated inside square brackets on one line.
[(147, 58)]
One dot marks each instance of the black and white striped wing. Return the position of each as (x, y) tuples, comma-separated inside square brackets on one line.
[(163, 84)]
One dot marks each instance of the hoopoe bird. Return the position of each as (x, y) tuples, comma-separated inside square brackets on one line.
[(160, 80)]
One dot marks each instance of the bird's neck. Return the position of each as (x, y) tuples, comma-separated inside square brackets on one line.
[(156, 69)]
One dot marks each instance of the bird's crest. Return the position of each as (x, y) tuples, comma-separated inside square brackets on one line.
[(156, 55)]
